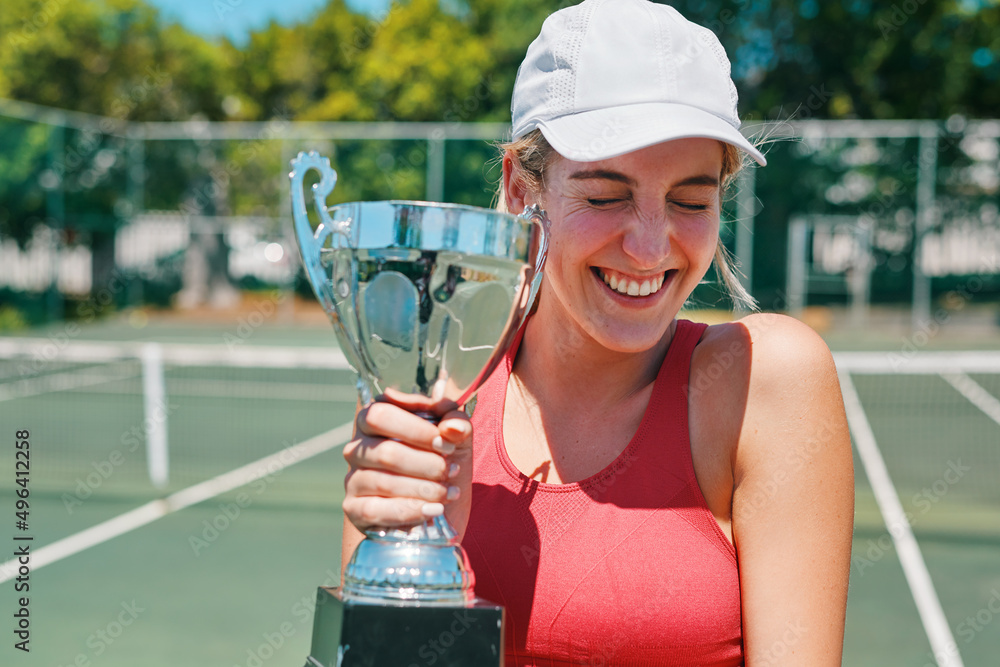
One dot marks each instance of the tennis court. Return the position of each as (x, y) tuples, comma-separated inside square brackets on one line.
[(219, 565)]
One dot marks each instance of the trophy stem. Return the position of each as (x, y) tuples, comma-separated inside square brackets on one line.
[(425, 564)]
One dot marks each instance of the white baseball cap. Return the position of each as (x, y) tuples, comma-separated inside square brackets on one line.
[(608, 77)]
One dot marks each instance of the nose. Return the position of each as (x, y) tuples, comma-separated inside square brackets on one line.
[(646, 240)]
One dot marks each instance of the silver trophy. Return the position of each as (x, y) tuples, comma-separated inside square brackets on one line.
[(425, 299)]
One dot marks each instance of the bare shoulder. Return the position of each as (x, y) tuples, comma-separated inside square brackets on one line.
[(765, 348), (793, 392), (785, 346), (770, 380)]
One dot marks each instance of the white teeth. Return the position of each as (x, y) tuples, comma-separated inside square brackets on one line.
[(633, 287)]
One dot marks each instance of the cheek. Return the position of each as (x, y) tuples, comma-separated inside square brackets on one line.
[(699, 240), (573, 240)]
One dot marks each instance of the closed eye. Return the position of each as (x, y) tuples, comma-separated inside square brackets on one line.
[(690, 206), (604, 202)]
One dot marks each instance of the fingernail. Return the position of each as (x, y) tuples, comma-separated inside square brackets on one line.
[(460, 429), (453, 492), (453, 469), (439, 445), (432, 509)]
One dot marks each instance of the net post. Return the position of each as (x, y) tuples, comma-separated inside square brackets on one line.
[(797, 270), (435, 165), (926, 186), (746, 195), (155, 413)]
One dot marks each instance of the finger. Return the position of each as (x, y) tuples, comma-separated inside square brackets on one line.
[(417, 402), (391, 421), (373, 511), (389, 485), (396, 457), (455, 427)]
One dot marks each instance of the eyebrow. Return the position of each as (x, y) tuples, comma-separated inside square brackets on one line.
[(609, 175), (604, 174)]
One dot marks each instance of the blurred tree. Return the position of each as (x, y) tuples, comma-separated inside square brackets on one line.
[(114, 59), (424, 60), (859, 58)]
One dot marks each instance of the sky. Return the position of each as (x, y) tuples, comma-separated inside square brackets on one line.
[(236, 18)]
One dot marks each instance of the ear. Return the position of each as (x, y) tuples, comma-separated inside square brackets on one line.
[(515, 191)]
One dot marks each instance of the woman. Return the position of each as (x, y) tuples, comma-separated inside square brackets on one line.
[(643, 490)]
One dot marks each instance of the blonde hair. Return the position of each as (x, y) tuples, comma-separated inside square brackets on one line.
[(534, 155)]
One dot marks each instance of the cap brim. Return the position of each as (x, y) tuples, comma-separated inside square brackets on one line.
[(605, 133)]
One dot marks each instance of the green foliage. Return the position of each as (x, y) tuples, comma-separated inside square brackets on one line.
[(23, 151), (435, 60), (11, 319)]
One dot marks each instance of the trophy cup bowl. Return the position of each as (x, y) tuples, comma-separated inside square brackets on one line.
[(425, 299)]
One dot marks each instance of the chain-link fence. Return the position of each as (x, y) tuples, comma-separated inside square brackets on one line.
[(863, 213)]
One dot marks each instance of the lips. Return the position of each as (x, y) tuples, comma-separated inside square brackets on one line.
[(634, 286)]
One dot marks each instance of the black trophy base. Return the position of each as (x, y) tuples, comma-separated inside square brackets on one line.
[(347, 633)]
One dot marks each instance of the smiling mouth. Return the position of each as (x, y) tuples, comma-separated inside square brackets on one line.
[(631, 286)]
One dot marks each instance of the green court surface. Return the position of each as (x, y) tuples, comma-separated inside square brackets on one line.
[(230, 580)]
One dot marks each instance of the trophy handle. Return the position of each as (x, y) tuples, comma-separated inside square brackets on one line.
[(537, 215), (311, 242), (311, 246)]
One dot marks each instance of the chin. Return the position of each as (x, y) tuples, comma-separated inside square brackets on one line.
[(630, 339)]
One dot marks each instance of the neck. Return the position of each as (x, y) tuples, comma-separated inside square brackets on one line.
[(548, 364)]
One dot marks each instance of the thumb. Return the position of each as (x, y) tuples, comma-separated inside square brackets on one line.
[(456, 427)]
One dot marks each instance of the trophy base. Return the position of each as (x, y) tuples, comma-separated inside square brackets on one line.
[(349, 633)]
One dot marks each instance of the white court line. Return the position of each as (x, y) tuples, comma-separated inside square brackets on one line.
[(928, 605), (151, 511), (976, 394)]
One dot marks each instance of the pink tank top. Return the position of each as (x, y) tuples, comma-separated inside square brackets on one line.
[(627, 567)]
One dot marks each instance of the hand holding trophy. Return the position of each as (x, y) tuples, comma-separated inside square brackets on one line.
[(425, 299)]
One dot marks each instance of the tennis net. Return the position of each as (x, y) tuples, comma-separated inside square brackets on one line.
[(148, 419), (935, 418)]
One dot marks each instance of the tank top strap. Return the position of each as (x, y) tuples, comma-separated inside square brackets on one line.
[(664, 435), (676, 368)]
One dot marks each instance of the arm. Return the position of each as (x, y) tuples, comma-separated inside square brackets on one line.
[(793, 499)]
